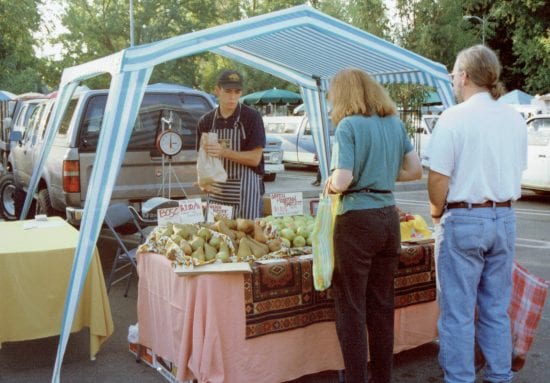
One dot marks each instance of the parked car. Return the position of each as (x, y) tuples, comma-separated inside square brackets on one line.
[(144, 172), (537, 175), (295, 132), (15, 115)]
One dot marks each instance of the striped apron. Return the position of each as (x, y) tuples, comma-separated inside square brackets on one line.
[(242, 190)]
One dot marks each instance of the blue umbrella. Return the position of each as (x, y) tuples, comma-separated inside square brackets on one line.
[(5, 95)]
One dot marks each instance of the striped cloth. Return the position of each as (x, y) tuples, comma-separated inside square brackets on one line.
[(528, 297)]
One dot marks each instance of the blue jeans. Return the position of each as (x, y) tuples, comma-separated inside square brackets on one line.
[(474, 254)]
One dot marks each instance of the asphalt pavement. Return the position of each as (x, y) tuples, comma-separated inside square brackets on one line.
[(32, 361)]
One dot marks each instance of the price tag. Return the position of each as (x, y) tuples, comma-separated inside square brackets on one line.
[(283, 204), (188, 211), (217, 209)]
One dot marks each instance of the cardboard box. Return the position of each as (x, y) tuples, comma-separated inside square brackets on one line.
[(145, 354), (168, 370)]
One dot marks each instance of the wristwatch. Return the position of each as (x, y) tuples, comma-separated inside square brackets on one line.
[(169, 143)]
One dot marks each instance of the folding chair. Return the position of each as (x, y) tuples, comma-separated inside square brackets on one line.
[(121, 221)]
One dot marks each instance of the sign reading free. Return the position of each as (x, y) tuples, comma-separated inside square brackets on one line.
[(283, 204), (188, 211)]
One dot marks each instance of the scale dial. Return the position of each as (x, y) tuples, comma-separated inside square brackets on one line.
[(169, 143)]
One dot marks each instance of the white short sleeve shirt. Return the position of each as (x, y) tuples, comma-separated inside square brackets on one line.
[(482, 146)]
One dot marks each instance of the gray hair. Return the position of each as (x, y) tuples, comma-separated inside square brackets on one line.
[(483, 68)]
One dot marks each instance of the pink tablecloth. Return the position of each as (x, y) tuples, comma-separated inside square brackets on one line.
[(198, 323)]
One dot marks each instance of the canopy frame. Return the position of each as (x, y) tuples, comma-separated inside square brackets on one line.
[(263, 42)]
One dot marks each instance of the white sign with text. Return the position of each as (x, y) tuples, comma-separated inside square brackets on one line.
[(188, 211), (283, 204), (220, 210)]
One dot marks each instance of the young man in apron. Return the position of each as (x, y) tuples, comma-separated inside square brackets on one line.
[(241, 139)]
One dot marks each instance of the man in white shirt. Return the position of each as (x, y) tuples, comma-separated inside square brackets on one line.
[(477, 154)]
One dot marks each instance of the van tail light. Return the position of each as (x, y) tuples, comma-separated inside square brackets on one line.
[(71, 176)]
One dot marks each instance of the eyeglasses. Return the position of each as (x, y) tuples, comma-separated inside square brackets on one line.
[(452, 75)]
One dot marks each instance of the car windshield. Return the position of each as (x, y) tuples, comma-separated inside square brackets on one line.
[(538, 131), (158, 111)]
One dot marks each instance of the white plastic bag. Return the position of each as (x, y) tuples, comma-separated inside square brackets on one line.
[(209, 169), (133, 333)]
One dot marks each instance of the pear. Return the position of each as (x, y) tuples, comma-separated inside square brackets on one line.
[(223, 256), (196, 242), (259, 234), (221, 227), (274, 244), (186, 247), (245, 225), (209, 252), (224, 247), (215, 241), (199, 254), (204, 233), (176, 238), (244, 251), (258, 249)]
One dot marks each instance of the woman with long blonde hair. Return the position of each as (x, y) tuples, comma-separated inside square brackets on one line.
[(371, 152)]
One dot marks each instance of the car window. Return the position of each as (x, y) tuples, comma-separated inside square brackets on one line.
[(24, 116), (31, 128), (538, 131), (66, 122), (181, 112)]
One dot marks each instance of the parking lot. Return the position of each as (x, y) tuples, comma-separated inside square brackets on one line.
[(32, 361)]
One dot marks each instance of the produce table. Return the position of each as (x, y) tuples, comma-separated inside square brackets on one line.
[(199, 323), (35, 265)]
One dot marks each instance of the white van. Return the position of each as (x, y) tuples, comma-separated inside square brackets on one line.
[(537, 175)]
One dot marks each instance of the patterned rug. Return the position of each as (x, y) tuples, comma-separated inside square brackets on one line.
[(281, 296)]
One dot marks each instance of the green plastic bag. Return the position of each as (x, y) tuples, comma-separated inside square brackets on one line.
[(322, 241)]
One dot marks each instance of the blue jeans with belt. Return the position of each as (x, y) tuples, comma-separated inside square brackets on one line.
[(474, 253)]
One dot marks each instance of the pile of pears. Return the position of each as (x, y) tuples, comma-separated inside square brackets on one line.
[(186, 243), (230, 240), (248, 238), (294, 231)]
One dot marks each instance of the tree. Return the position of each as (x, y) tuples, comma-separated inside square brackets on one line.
[(19, 72), (526, 25)]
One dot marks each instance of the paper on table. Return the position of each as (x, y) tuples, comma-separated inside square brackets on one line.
[(232, 267), (34, 224)]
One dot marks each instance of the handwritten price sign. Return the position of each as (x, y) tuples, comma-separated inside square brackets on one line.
[(221, 210), (283, 204), (188, 211)]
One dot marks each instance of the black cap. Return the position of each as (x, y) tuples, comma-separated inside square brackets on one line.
[(230, 79)]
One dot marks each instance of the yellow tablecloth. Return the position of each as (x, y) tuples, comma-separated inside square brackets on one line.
[(35, 266)]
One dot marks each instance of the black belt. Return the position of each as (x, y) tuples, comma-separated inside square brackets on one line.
[(366, 190), (466, 205)]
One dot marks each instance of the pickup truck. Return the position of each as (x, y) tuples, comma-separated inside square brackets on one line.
[(294, 131), (144, 173)]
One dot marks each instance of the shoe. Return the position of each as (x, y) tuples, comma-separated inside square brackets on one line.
[(316, 183)]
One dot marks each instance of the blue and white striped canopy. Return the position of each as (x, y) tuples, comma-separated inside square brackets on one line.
[(300, 45)]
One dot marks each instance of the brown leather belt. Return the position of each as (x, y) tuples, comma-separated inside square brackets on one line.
[(466, 205)]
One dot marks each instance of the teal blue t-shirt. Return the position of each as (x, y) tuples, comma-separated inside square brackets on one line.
[(373, 149)]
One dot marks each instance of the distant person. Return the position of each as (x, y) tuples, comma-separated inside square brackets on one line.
[(371, 151), (477, 155), (241, 139)]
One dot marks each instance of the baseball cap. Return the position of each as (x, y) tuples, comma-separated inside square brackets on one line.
[(230, 79)]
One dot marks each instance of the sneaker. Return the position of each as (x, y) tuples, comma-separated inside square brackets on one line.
[(316, 183)]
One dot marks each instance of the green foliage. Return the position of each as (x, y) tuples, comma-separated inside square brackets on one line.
[(19, 72), (519, 30)]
